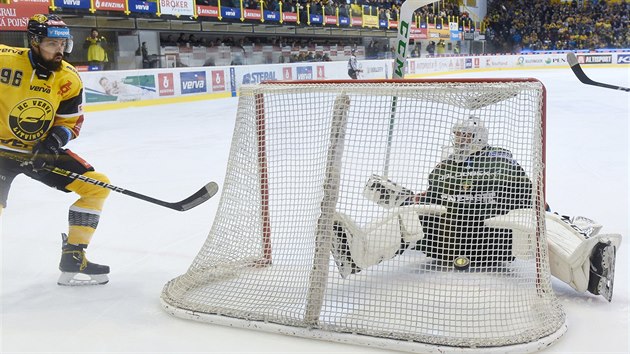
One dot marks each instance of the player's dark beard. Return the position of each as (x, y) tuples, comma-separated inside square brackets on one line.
[(43, 68), (53, 65)]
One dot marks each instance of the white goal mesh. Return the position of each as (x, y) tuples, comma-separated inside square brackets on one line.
[(300, 183)]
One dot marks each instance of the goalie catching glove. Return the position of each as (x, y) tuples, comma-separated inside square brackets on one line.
[(386, 193)]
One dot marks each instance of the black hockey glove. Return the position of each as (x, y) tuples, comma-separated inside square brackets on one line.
[(46, 152)]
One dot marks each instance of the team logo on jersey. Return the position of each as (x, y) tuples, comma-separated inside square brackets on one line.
[(30, 119)]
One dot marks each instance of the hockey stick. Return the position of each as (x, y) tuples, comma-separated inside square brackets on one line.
[(400, 62), (577, 70), (205, 193), (404, 30)]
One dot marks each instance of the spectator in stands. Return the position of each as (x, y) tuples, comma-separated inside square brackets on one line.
[(148, 61), (192, 40), (144, 52), (273, 5), (550, 25), (203, 42), (288, 6), (343, 11), (181, 40), (382, 15), (96, 46), (372, 50), (169, 41), (441, 47), (316, 7), (431, 48), (329, 9), (415, 53)]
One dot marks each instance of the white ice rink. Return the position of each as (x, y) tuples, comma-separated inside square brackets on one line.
[(170, 151)]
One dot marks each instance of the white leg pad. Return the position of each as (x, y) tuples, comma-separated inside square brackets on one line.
[(570, 251), (380, 240), (373, 244), (410, 225), (521, 222)]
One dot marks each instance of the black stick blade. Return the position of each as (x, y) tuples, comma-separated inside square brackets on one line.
[(579, 73)]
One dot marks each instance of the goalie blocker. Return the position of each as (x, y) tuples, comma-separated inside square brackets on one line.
[(578, 254)]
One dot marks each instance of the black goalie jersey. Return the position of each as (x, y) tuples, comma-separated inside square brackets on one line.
[(486, 184)]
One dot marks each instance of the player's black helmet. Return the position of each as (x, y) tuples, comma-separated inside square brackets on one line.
[(52, 26)]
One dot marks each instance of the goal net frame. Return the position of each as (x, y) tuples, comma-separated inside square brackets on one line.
[(184, 296)]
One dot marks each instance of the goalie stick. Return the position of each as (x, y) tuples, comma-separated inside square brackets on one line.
[(202, 195), (577, 70), (404, 31), (400, 61)]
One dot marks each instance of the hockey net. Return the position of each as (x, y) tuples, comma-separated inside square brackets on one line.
[(301, 155)]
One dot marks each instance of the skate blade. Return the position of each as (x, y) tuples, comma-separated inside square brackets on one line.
[(606, 282), (80, 279)]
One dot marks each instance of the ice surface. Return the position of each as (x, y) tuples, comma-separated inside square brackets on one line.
[(170, 151)]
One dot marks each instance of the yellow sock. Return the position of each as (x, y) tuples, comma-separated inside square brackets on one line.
[(85, 213)]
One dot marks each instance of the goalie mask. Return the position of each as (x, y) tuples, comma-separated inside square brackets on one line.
[(469, 136)]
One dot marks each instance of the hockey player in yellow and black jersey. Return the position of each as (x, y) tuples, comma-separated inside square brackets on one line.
[(40, 112)]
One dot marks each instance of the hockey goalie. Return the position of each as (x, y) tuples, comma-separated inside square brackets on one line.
[(477, 212)]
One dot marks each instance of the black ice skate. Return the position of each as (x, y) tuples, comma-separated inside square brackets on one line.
[(602, 273), (341, 251), (76, 269)]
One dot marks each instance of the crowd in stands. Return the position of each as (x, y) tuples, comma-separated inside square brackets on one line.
[(304, 47), (518, 25), (356, 8), (191, 40), (510, 26), (384, 9)]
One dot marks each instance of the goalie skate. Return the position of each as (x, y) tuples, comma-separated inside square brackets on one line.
[(76, 270), (602, 272)]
